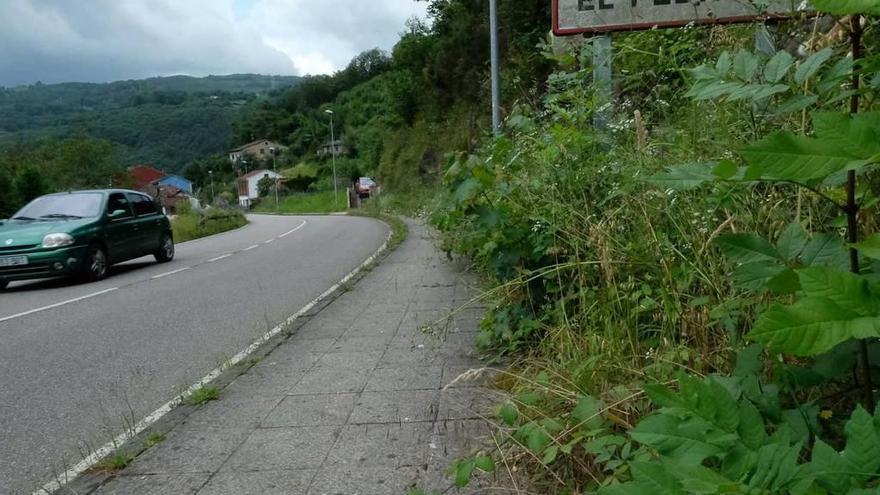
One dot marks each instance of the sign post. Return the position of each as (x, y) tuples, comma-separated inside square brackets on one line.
[(602, 55), (604, 16)]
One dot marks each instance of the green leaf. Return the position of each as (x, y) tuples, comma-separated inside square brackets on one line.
[(778, 66), (745, 65), (654, 476), (463, 469), (775, 467), (825, 250), (785, 282), (587, 412), (722, 66), (847, 290), (856, 135), (862, 451), (684, 177), (725, 169), (846, 7), (757, 276), (833, 77), (870, 247), (829, 468), (746, 248), (795, 104), (792, 241), (812, 64), (785, 156), (508, 413), (537, 439), (667, 435), (748, 361), (751, 428), (695, 479), (550, 455), (485, 463), (811, 326)]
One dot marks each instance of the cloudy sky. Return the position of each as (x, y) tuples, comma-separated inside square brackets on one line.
[(108, 40)]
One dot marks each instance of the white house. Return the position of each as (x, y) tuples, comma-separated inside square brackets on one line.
[(247, 186)]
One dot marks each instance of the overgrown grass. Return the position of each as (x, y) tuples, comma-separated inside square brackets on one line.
[(318, 202), (116, 461), (189, 225)]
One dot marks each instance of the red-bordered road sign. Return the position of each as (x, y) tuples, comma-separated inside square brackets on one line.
[(572, 17)]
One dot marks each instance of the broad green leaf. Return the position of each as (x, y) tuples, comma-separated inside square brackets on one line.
[(587, 412), (748, 361), (695, 479), (862, 451), (684, 177), (870, 247), (725, 169), (778, 66), (665, 434), (811, 326), (847, 290), (746, 248), (713, 90), (825, 250), (463, 469), (745, 65), (757, 276), (812, 64), (467, 190), (786, 156), (722, 66), (751, 429), (828, 466), (833, 77), (785, 282), (792, 241), (630, 488), (858, 135), (550, 454), (537, 439), (656, 477), (776, 466), (795, 104), (662, 395), (846, 7)]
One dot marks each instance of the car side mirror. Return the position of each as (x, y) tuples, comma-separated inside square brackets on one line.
[(116, 214)]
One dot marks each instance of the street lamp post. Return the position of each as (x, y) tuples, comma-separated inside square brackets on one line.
[(275, 169), (211, 174), (496, 78), (333, 154)]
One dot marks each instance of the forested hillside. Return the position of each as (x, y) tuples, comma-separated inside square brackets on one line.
[(167, 121)]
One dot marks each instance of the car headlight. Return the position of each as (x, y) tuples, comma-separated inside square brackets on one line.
[(57, 240)]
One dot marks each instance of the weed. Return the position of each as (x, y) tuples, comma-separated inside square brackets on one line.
[(155, 438), (115, 462), (202, 395)]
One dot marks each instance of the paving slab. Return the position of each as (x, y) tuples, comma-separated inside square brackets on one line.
[(358, 400)]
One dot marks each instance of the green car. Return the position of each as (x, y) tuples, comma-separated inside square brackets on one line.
[(81, 234)]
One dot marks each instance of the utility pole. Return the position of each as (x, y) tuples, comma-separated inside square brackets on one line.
[(333, 154), (496, 77), (211, 174), (275, 170)]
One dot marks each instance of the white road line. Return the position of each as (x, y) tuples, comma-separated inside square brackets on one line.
[(255, 246), (293, 230), (170, 273), (218, 258), (107, 449), (270, 241), (57, 305)]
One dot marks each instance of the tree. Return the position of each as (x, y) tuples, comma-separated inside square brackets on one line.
[(7, 196), (265, 185), (30, 184)]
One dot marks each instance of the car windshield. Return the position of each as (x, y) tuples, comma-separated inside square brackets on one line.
[(366, 181), (61, 207)]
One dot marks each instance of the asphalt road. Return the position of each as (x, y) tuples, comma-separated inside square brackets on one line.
[(79, 361)]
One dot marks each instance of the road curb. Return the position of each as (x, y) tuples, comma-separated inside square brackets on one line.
[(81, 479)]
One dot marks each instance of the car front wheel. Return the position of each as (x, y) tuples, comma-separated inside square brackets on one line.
[(166, 249), (96, 265)]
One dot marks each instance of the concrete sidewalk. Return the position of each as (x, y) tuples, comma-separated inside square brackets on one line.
[(352, 403)]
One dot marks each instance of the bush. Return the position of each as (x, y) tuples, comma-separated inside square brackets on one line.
[(193, 225)]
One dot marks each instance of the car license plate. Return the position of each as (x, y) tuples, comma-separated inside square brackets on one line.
[(13, 260)]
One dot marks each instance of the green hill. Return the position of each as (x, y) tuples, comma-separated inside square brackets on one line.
[(169, 121)]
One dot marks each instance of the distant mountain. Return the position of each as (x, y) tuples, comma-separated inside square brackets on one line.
[(167, 121)]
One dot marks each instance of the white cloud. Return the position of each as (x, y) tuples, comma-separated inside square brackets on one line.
[(103, 40), (324, 35)]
